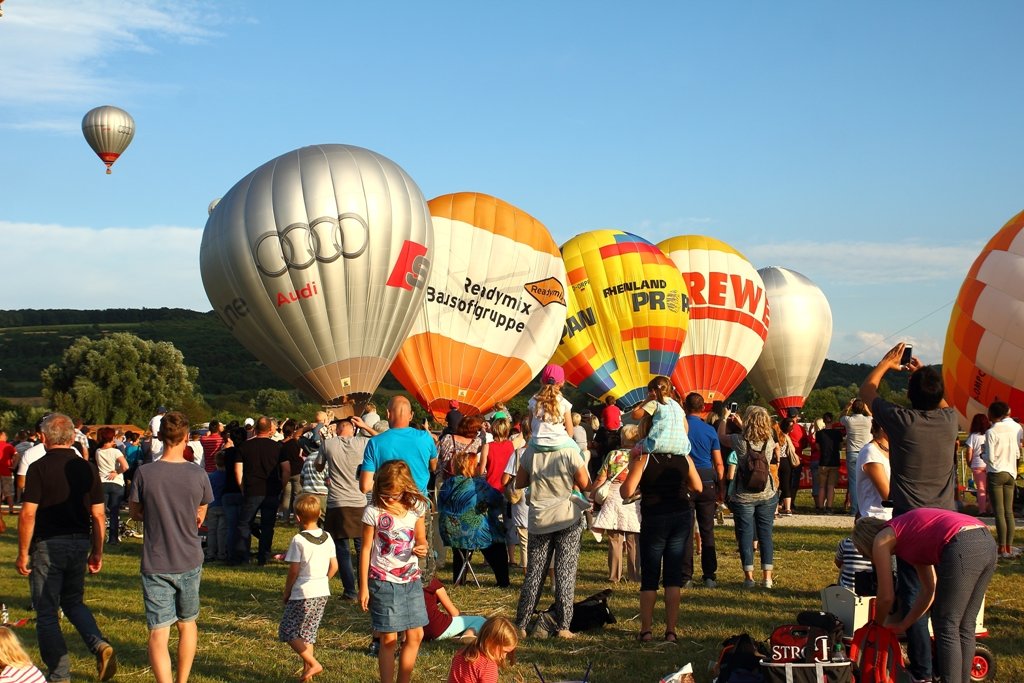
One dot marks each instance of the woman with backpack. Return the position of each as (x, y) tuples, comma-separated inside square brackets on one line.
[(754, 493)]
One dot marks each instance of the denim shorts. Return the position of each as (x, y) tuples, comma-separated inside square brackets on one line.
[(171, 598), (397, 607)]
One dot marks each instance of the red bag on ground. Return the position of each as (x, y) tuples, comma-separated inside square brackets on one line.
[(876, 654)]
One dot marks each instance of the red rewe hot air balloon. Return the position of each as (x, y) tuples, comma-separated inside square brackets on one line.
[(728, 316)]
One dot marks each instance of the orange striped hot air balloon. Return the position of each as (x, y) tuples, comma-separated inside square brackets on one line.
[(728, 316), (983, 360), (494, 309)]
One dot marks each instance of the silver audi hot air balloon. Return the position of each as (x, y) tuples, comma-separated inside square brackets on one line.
[(108, 130), (317, 262), (798, 339)]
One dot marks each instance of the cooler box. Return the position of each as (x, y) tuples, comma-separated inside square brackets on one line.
[(855, 610), (818, 672), (852, 609)]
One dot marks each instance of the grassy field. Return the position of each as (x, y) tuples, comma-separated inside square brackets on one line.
[(241, 608)]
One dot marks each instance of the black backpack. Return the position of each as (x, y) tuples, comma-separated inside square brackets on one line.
[(754, 471), (587, 615), (739, 660)]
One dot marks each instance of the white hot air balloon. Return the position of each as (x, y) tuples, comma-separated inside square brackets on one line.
[(317, 263), (108, 130), (798, 339)]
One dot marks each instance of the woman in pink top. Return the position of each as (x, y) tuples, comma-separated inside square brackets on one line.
[(955, 557)]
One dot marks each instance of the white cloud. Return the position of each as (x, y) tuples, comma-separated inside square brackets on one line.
[(849, 263), (65, 51), (64, 126), (55, 266), (868, 346)]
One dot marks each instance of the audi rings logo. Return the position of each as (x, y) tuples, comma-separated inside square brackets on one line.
[(300, 245)]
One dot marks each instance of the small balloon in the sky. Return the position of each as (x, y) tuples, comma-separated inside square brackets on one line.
[(108, 130), (212, 206)]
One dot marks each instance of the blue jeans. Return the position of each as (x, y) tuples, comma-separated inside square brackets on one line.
[(919, 644), (663, 540), (345, 572), (232, 504), (759, 516), (266, 506), (113, 494), (170, 598), (57, 582)]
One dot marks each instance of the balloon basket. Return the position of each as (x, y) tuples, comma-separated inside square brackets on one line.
[(347, 406)]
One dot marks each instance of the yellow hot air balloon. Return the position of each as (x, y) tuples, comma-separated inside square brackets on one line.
[(494, 307), (627, 317), (728, 316), (983, 360)]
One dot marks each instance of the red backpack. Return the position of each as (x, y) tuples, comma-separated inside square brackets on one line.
[(876, 654)]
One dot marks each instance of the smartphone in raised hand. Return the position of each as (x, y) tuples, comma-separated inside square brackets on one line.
[(908, 353)]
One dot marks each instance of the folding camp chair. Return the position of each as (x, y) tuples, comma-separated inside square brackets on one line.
[(467, 566)]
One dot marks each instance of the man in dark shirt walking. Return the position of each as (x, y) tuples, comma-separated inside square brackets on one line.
[(264, 471), (60, 533), (170, 496)]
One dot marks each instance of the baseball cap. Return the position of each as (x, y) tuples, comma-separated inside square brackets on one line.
[(249, 422), (552, 374), (453, 404), (500, 415)]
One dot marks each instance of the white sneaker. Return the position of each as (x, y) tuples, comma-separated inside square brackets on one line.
[(768, 583)]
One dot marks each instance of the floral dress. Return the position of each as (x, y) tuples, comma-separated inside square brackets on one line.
[(614, 516), (469, 513)]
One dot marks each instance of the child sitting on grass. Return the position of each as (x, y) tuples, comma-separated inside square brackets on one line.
[(15, 662), (312, 562), (449, 623), (494, 648)]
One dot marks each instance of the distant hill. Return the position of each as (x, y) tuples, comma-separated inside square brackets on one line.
[(32, 339)]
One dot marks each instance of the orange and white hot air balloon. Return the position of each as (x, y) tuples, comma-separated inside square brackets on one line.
[(983, 360), (494, 309), (728, 316)]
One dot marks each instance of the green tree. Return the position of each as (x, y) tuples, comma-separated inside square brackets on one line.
[(120, 378)]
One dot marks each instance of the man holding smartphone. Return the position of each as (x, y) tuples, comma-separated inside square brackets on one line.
[(923, 473)]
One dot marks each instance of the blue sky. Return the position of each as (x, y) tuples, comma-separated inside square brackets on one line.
[(873, 147)]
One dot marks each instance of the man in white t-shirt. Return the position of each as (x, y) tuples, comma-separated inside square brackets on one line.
[(156, 445), (1002, 453)]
